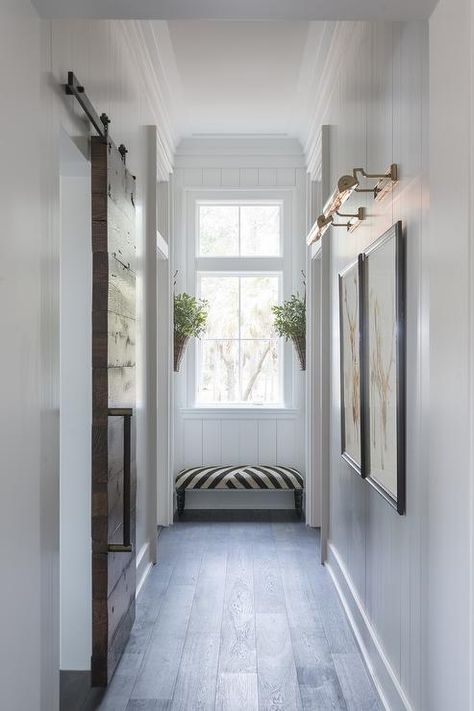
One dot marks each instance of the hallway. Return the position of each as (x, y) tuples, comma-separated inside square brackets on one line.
[(238, 614)]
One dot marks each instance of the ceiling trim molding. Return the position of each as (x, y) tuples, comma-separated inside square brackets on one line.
[(141, 41), (251, 150), (344, 34)]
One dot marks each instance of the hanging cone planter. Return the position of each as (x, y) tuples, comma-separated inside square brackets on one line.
[(190, 316), (290, 323), (180, 344), (300, 345)]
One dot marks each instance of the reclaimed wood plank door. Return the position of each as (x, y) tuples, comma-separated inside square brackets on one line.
[(113, 431)]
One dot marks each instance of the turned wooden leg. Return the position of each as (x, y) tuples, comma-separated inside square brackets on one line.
[(180, 496), (299, 501)]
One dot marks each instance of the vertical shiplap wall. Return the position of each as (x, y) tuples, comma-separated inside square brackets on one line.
[(377, 113), (214, 437), (448, 565)]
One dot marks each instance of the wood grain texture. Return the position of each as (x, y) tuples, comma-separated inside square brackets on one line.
[(238, 643), (277, 681), (200, 642), (269, 595), (237, 691), (206, 614), (195, 688), (113, 376)]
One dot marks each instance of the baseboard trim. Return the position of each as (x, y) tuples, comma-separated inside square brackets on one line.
[(144, 565), (74, 689), (383, 675)]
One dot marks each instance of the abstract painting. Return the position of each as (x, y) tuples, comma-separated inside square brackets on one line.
[(349, 309), (382, 279)]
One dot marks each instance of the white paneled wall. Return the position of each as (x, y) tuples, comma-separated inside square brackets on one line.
[(208, 440), (376, 107), (238, 436), (211, 440)]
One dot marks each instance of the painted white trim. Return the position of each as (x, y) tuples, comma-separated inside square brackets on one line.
[(257, 151), (343, 35), (383, 675), (144, 564), (239, 413), (142, 42), (162, 248), (286, 197)]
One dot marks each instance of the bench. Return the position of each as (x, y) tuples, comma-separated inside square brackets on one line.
[(239, 478)]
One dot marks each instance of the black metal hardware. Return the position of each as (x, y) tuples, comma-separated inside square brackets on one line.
[(75, 88), (126, 413), (105, 122), (123, 152)]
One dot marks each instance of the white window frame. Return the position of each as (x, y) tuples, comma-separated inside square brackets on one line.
[(251, 265), (198, 361)]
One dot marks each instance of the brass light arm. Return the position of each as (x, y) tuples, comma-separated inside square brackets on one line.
[(391, 173), (360, 214)]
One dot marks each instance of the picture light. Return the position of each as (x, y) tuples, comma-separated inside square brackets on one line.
[(346, 186)]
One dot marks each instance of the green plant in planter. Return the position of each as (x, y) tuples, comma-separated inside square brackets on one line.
[(290, 323), (190, 317)]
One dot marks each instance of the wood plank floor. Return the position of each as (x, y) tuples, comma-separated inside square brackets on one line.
[(238, 615)]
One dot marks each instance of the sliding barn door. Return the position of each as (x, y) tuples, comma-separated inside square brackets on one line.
[(113, 440)]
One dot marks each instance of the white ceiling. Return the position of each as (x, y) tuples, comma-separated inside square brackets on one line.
[(242, 77), (238, 9)]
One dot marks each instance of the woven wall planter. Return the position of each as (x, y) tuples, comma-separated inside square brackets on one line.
[(300, 345), (180, 345)]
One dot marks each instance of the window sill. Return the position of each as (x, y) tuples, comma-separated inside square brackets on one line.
[(237, 413)]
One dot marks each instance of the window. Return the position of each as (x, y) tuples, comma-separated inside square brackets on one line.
[(240, 358), (245, 230)]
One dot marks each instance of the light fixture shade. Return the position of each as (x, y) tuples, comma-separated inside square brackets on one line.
[(319, 228), (344, 189)]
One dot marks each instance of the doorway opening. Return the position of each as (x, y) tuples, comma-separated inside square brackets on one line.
[(75, 419)]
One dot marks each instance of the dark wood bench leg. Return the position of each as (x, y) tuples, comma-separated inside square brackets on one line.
[(180, 497), (299, 501)]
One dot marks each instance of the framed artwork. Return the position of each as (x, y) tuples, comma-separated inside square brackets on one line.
[(349, 325), (383, 327)]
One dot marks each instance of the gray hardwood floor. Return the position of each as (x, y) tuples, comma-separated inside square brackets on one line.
[(238, 615)]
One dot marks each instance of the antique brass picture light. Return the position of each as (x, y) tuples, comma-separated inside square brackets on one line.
[(324, 222), (345, 187), (385, 181)]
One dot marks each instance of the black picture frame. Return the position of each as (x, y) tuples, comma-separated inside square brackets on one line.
[(367, 319), (354, 267)]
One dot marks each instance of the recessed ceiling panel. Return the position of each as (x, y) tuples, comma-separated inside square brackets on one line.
[(239, 77)]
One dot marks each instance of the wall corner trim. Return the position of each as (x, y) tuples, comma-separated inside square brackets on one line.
[(144, 565), (391, 694)]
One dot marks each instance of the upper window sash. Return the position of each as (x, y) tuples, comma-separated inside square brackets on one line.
[(236, 226)]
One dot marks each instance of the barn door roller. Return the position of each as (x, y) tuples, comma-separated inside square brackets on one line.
[(100, 123)]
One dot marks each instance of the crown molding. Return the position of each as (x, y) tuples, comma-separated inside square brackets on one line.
[(147, 41), (339, 38), (243, 149)]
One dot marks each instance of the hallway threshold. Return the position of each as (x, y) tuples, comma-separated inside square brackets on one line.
[(239, 615)]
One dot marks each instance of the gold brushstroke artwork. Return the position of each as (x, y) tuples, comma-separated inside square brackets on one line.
[(380, 381), (350, 363), (354, 369), (382, 366)]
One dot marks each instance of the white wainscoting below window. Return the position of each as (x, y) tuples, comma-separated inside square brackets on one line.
[(236, 437)]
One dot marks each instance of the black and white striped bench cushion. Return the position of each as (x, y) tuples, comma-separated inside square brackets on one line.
[(244, 477)]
